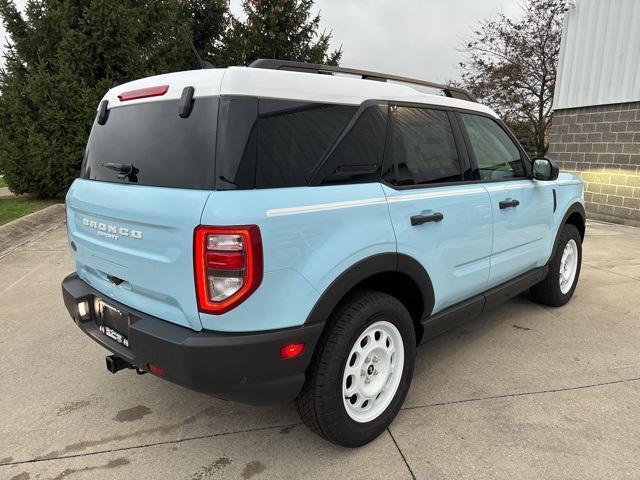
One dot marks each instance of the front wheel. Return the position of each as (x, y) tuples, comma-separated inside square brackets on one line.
[(362, 370), (564, 269)]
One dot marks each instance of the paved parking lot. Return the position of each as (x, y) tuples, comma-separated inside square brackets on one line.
[(523, 392)]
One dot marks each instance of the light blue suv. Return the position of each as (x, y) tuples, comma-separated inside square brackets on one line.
[(293, 231)]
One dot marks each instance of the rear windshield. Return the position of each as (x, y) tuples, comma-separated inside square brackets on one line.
[(150, 144)]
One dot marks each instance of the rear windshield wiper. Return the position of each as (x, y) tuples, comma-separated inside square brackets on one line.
[(125, 171)]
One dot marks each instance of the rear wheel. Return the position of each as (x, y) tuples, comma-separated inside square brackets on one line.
[(362, 370), (564, 269)]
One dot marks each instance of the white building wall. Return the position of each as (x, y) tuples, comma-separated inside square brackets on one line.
[(600, 54)]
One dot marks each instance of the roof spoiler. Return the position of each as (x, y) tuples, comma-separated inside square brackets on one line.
[(272, 64)]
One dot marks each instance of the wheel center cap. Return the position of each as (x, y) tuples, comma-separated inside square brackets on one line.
[(370, 370)]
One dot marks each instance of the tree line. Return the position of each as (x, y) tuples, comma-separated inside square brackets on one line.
[(63, 55)]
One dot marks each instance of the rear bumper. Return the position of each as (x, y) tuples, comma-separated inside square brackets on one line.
[(237, 366)]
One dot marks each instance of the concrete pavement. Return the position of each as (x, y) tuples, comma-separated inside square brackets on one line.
[(524, 391), (30, 227)]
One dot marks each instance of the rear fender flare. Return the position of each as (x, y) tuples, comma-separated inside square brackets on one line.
[(366, 268)]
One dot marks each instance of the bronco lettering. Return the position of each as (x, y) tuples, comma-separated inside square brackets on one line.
[(108, 231)]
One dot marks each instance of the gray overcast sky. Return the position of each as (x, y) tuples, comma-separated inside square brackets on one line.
[(415, 38)]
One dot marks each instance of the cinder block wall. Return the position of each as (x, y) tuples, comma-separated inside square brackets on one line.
[(602, 145)]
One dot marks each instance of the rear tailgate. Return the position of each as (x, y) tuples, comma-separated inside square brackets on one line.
[(135, 245), (146, 177)]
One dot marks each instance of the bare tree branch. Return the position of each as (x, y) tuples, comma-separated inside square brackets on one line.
[(512, 64)]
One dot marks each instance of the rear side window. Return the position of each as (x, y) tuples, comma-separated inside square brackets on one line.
[(358, 156), (497, 156), (150, 144), (282, 141), (293, 138), (423, 149)]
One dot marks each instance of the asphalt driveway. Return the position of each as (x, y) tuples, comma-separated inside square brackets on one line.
[(524, 391)]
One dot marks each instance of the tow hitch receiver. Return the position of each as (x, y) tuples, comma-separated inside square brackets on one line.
[(115, 364)]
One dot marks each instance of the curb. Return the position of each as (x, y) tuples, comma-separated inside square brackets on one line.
[(24, 229)]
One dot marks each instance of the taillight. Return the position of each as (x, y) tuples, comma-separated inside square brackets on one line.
[(228, 266), (143, 93)]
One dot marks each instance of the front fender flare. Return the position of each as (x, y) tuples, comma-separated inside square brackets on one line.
[(575, 207)]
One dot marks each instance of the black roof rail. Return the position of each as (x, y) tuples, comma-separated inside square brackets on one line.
[(272, 64)]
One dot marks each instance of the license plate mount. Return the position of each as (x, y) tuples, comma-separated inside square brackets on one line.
[(113, 322)]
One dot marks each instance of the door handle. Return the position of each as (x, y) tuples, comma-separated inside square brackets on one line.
[(420, 219), (508, 204)]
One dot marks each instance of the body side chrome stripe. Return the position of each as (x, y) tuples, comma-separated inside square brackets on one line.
[(568, 182), (420, 196), (502, 188), (323, 207)]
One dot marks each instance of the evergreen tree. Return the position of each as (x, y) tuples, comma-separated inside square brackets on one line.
[(209, 20), (282, 29), (62, 57)]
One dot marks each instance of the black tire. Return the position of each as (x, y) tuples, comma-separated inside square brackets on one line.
[(548, 291), (320, 402)]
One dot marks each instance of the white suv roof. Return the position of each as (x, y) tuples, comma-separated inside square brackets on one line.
[(284, 84)]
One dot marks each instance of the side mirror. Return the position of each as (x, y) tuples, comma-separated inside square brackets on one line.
[(543, 169)]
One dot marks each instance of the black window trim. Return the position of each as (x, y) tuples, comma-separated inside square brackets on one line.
[(463, 154)]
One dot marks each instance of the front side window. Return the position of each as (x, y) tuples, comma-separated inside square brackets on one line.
[(497, 156), (423, 149)]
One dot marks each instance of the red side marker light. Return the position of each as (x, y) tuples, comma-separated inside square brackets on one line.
[(156, 370), (292, 350), (143, 93)]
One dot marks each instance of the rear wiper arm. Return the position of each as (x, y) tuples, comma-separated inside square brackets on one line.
[(126, 171), (119, 167)]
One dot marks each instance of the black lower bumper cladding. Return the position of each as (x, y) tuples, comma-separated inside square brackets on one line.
[(237, 366)]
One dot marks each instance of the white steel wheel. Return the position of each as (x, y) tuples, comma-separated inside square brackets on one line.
[(372, 372), (568, 266)]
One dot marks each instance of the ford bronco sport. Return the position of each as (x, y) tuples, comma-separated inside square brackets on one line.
[(293, 231)]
